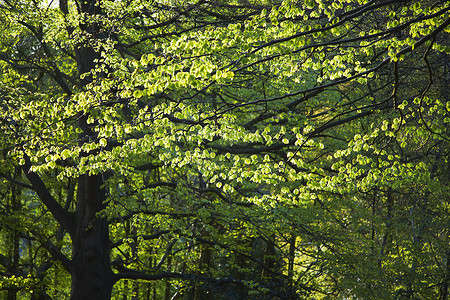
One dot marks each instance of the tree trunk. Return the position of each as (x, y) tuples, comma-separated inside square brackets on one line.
[(291, 257), (14, 240), (269, 260), (125, 290), (168, 285), (92, 277), (444, 287)]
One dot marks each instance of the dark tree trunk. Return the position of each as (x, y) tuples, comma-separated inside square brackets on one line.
[(291, 257), (92, 277), (444, 287), (168, 285), (14, 241)]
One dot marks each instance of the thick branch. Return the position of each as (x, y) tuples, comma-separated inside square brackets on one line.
[(57, 254), (147, 167), (63, 217)]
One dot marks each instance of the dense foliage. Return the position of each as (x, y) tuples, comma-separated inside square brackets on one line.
[(212, 149)]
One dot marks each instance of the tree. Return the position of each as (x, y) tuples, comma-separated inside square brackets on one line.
[(221, 149)]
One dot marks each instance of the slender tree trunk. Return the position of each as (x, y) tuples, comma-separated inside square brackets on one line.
[(15, 207), (269, 260), (388, 228), (135, 295), (168, 285), (204, 263), (444, 288), (147, 291), (134, 252), (291, 257), (125, 290)]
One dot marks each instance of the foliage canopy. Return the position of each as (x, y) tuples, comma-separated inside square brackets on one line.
[(224, 149)]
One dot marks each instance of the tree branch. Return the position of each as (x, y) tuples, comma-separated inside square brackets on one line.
[(20, 183), (63, 217), (145, 237), (198, 278)]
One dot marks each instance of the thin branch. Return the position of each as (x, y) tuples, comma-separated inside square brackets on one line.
[(166, 253), (361, 11), (144, 237), (198, 278), (15, 181)]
